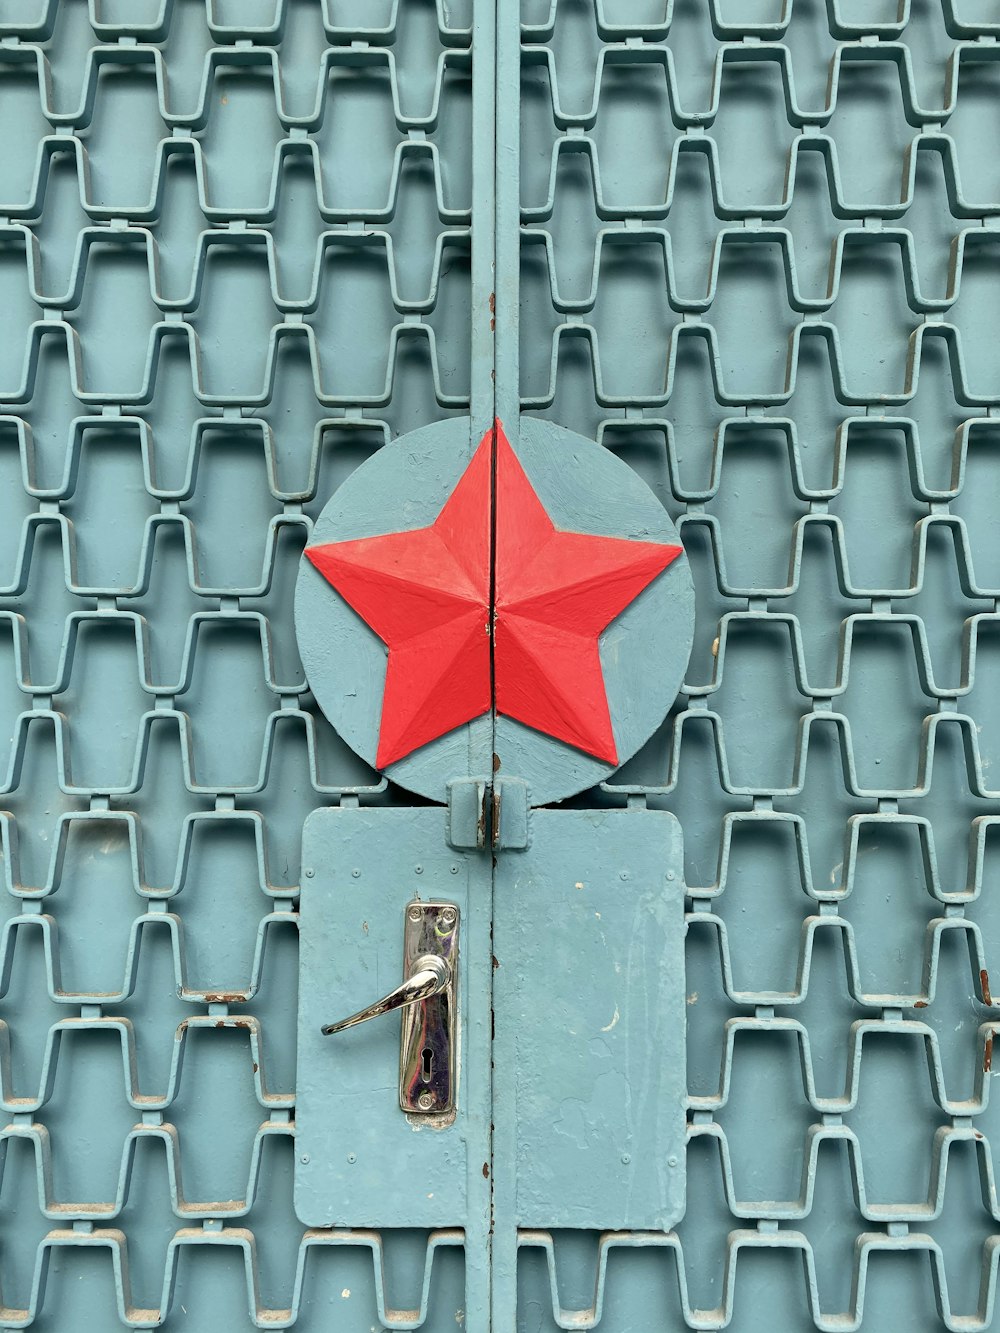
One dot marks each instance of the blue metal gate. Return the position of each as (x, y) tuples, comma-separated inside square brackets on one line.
[(748, 245)]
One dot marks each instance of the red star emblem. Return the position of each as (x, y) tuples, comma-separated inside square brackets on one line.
[(427, 594)]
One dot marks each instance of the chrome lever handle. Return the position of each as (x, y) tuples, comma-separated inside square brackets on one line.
[(431, 976)]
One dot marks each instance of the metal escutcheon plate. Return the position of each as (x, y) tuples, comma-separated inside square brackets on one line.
[(427, 1042)]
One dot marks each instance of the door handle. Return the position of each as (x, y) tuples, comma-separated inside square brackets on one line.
[(428, 1001), (433, 975)]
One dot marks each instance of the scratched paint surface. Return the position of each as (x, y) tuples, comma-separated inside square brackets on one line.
[(190, 226), (817, 830), (592, 1076), (759, 260)]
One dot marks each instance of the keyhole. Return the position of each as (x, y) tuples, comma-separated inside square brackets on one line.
[(426, 1064)]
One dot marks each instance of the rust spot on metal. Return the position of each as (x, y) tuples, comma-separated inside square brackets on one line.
[(493, 303), (496, 962), (255, 1065), (920, 1004), (988, 1054), (984, 985), (225, 997), (486, 1170), (496, 762)]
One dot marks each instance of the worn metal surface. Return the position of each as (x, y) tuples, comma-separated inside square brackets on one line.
[(810, 385), (196, 198), (752, 248), (589, 1084), (363, 1162)]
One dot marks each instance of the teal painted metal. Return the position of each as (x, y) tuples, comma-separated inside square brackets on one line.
[(594, 1066), (739, 245), (361, 1161), (810, 384), (589, 1065), (187, 230)]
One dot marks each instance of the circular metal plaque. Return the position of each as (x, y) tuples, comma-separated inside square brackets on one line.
[(437, 479)]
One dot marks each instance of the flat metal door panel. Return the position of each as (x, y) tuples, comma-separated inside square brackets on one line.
[(362, 1162), (589, 1084)]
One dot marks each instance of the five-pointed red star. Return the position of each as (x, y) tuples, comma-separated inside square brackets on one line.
[(426, 594)]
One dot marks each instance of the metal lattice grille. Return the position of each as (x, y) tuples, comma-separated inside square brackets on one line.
[(759, 259), (197, 199)]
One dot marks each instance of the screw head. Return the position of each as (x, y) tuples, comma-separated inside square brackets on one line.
[(414, 913), (419, 869), (626, 1158), (448, 916), (304, 1159), (355, 874), (352, 1157), (310, 873), (425, 1101)]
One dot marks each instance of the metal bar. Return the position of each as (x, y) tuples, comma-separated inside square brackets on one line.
[(507, 243)]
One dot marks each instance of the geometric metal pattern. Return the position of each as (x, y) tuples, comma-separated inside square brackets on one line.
[(807, 376), (186, 227), (769, 293)]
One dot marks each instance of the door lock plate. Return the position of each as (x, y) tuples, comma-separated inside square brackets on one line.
[(427, 1040)]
